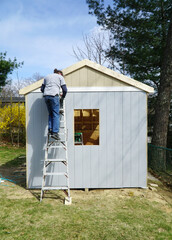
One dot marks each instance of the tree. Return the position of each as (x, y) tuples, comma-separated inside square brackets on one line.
[(141, 31), (162, 109), (94, 48), (7, 67), (11, 89)]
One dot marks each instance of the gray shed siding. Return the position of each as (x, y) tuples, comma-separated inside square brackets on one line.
[(120, 160)]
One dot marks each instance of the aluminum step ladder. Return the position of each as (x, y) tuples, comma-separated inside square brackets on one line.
[(61, 145)]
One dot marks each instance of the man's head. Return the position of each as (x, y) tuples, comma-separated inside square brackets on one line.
[(58, 71)]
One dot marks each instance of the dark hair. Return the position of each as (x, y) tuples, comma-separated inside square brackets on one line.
[(58, 71), (55, 70)]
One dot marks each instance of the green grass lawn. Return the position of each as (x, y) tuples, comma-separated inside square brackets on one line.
[(95, 215), (9, 155)]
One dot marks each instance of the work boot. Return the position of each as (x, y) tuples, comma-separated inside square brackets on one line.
[(55, 136)]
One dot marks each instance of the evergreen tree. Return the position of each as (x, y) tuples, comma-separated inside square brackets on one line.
[(141, 34)]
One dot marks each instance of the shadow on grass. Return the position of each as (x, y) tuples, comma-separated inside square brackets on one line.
[(47, 195), (15, 171)]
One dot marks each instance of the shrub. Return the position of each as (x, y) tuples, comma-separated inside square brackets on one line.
[(12, 122)]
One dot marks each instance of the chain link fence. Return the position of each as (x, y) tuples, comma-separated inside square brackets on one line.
[(160, 162)]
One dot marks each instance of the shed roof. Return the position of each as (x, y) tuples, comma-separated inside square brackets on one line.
[(98, 68)]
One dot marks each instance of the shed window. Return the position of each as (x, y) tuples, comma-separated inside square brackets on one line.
[(86, 124)]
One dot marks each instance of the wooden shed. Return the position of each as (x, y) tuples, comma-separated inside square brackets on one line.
[(107, 129)]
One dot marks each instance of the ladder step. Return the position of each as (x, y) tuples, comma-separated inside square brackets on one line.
[(59, 133), (56, 160), (55, 146), (55, 188), (56, 174), (55, 141)]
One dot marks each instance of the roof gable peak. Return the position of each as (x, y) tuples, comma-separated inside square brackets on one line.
[(97, 67)]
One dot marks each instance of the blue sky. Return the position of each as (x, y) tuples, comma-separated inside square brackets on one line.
[(42, 32)]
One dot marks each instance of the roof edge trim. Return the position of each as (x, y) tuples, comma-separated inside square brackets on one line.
[(98, 67), (31, 87), (108, 72)]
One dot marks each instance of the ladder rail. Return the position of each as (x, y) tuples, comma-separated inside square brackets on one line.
[(44, 166), (66, 136)]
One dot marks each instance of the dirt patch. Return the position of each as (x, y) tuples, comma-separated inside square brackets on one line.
[(156, 191), (151, 195)]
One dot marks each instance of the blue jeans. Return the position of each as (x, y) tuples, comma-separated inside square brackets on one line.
[(53, 110)]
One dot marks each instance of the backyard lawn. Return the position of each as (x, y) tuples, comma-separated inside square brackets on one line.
[(97, 214)]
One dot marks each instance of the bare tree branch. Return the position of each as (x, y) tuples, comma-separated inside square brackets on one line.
[(94, 48)]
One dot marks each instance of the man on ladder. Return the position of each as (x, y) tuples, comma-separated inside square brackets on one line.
[(51, 90), (57, 120)]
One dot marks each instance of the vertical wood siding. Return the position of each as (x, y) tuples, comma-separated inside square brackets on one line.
[(118, 161), (88, 77), (36, 120)]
